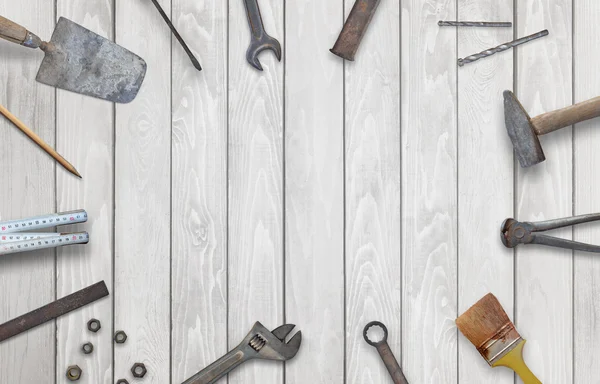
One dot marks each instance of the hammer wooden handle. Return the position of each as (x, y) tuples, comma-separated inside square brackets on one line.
[(13, 32), (552, 121)]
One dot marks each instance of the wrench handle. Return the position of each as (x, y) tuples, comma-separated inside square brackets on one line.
[(391, 363), (218, 369), (254, 18)]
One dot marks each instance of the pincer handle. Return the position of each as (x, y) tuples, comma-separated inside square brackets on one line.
[(13, 32), (218, 369)]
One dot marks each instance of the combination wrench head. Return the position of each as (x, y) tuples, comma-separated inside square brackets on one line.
[(265, 42), (260, 343)]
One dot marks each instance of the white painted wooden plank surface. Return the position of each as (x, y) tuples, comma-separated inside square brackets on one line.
[(199, 193), (372, 148), (586, 163), (314, 190), (486, 174), (429, 185), (27, 184), (142, 290), (85, 133), (256, 196), (544, 285)]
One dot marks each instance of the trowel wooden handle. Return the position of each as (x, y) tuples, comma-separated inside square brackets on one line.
[(12, 31), (552, 121)]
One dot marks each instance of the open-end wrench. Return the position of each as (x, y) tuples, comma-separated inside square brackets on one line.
[(260, 40), (258, 344), (386, 353)]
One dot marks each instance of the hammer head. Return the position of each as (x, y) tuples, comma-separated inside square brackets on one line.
[(521, 131)]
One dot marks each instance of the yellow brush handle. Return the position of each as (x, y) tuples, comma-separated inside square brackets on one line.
[(514, 360)]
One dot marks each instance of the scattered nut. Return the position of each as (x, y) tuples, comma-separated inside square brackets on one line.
[(139, 370), (94, 325), (120, 337), (74, 373), (122, 381), (87, 348)]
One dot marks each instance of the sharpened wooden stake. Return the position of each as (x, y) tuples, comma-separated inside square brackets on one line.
[(38, 140)]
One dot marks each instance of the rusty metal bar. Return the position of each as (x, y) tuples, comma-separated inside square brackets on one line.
[(355, 28), (53, 310)]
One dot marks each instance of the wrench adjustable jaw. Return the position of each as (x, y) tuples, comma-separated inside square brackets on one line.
[(514, 232)]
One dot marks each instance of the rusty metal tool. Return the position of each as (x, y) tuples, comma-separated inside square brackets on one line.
[(260, 40), (524, 131), (78, 60), (354, 29), (501, 24), (501, 48), (53, 310), (385, 352), (514, 232), (258, 344), (187, 50)]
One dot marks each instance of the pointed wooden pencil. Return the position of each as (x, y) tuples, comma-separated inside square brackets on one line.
[(38, 140)]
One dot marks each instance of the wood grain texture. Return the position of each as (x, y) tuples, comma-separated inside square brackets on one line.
[(485, 176), (85, 134), (429, 185), (544, 284), (256, 253), (314, 168), (586, 164), (372, 177), (199, 233), (27, 189), (142, 289)]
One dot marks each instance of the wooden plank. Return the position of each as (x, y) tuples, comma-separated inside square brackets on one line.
[(586, 163), (485, 171), (85, 132), (314, 153), (429, 184), (27, 188), (256, 252), (142, 289), (199, 233), (372, 147), (544, 284)]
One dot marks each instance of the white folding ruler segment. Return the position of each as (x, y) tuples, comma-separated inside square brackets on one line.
[(13, 239)]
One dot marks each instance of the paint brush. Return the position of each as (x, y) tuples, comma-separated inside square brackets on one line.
[(488, 327)]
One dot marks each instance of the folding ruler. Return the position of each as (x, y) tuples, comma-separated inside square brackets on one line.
[(14, 238)]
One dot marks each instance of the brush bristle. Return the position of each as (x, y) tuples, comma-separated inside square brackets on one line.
[(483, 320)]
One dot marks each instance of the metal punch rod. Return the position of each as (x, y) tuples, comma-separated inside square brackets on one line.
[(501, 48), (474, 24)]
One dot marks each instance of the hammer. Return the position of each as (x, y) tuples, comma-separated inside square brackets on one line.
[(524, 131)]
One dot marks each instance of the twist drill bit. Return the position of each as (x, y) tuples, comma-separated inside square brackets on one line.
[(501, 48), (474, 24)]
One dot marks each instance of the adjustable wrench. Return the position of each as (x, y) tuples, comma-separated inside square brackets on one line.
[(260, 40), (385, 353), (258, 344)]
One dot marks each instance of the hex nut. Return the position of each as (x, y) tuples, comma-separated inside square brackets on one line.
[(94, 325), (120, 337), (74, 373), (139, 370), (122, 381), (87, 348)]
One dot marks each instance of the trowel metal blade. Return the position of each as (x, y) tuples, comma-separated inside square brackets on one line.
[(81, 61)]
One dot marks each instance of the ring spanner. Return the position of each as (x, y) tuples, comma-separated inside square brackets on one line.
[(258, 344), (386, 353), (260, 40), (514, 232)]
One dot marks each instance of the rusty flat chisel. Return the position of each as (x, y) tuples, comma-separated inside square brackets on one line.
[(53, 310), (355, 28)]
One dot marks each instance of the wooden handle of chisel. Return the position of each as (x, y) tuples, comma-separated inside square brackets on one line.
[(13, 32), (552, 121)]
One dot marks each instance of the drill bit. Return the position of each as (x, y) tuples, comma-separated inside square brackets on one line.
[(500, 48), (474, 24)]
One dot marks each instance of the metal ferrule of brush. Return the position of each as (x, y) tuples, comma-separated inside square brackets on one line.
[(497, 346)]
